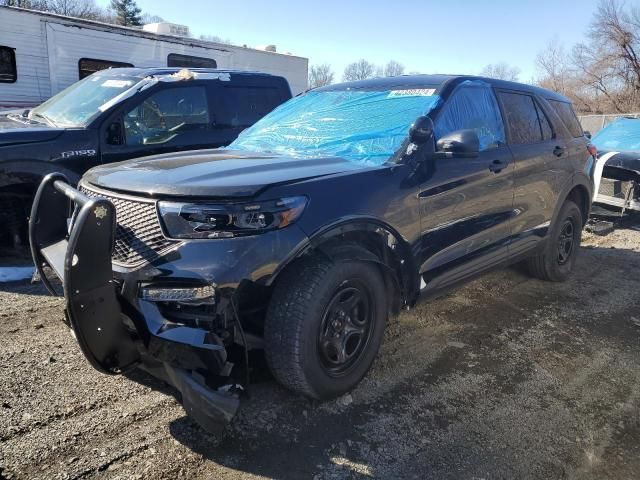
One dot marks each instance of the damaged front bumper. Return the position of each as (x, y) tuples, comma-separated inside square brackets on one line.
[(113, 334), (617, 181)]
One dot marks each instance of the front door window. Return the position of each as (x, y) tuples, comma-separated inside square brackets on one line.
[(166, 115)]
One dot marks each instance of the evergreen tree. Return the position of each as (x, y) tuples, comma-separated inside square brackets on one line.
[(127, 12)]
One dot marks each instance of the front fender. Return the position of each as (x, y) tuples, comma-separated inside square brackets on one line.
[(364, 239), (32, 172)]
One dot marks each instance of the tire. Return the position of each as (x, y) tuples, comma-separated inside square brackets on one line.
[(305, 328), (556, 261)]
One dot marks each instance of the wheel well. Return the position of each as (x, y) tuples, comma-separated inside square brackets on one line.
[(580, 196), (380, 247), (15, 205)]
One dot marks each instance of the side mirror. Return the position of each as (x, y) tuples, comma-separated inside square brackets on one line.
[(587, 134), (114, 134), (464, 143), (421, 130)]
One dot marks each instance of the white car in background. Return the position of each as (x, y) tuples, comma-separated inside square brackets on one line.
[(617, 174)]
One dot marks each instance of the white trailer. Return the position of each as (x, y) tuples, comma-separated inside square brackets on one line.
[(42, 53)]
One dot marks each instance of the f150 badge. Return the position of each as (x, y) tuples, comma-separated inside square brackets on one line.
[(78, 153)]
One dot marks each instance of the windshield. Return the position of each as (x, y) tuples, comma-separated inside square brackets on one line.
[(360, 126), (80, 103), (620, 135)]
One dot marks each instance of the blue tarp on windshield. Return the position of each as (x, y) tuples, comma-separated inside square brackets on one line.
[(622, 135), (360, 126)]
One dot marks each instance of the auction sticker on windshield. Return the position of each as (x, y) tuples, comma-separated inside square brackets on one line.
[(116, 83)]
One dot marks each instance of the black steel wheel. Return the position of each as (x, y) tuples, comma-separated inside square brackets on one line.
[(556, 261), (566, 241), (345, 330), (324, 325)]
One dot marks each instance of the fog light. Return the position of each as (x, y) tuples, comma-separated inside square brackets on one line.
[(205, 294)]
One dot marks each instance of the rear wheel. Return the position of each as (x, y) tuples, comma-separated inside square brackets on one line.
[(324, 325), (556, 261)]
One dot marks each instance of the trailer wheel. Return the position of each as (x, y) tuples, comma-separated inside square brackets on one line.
[(324, 325)]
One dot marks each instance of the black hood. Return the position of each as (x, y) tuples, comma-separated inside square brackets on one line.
[(14, 132), (211, 173)]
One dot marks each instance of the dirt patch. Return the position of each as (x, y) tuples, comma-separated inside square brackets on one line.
[(508, 377)]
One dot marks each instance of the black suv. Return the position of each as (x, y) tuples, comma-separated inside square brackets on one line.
[(340, 207), (123, 113)]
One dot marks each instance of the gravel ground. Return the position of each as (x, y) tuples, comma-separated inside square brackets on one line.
[(508, 377)]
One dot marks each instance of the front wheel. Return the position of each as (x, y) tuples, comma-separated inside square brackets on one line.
[(556, 261), (324, 325)]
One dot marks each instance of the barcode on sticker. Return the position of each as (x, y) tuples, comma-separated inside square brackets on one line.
[(414, 92)]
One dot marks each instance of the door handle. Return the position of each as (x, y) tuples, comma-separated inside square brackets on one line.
[(559, 151), (497, 166)]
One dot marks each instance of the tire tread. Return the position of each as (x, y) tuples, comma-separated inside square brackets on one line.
[(287, 312)]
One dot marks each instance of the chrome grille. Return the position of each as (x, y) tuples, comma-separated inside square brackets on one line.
[(139, 237)]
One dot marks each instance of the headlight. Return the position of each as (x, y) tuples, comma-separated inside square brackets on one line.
[(192, 220)]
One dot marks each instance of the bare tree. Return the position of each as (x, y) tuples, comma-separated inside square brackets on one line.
[(360, 70), (608, 63), (501, 71), (32, 4), (553, 67), (602, 73), (151, 18), (215, 38), (320, 75), (393, 69), (75, 8)]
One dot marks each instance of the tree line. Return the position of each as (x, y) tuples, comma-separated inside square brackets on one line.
[(321, 75), (119, 12), (602, 73)]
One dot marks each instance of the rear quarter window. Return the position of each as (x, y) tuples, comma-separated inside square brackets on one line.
[(568, 117)]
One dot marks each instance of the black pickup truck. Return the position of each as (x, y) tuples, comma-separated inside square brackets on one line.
[(124, 113)]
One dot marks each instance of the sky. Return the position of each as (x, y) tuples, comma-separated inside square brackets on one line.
[(426, 36)]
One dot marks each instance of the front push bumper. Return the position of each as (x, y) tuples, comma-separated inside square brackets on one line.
[(113, 336)]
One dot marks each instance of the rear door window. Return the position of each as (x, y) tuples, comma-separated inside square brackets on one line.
[(472, 106), (8, 71), (568, 117), (242, 106), (166, 115), (522, 118)]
